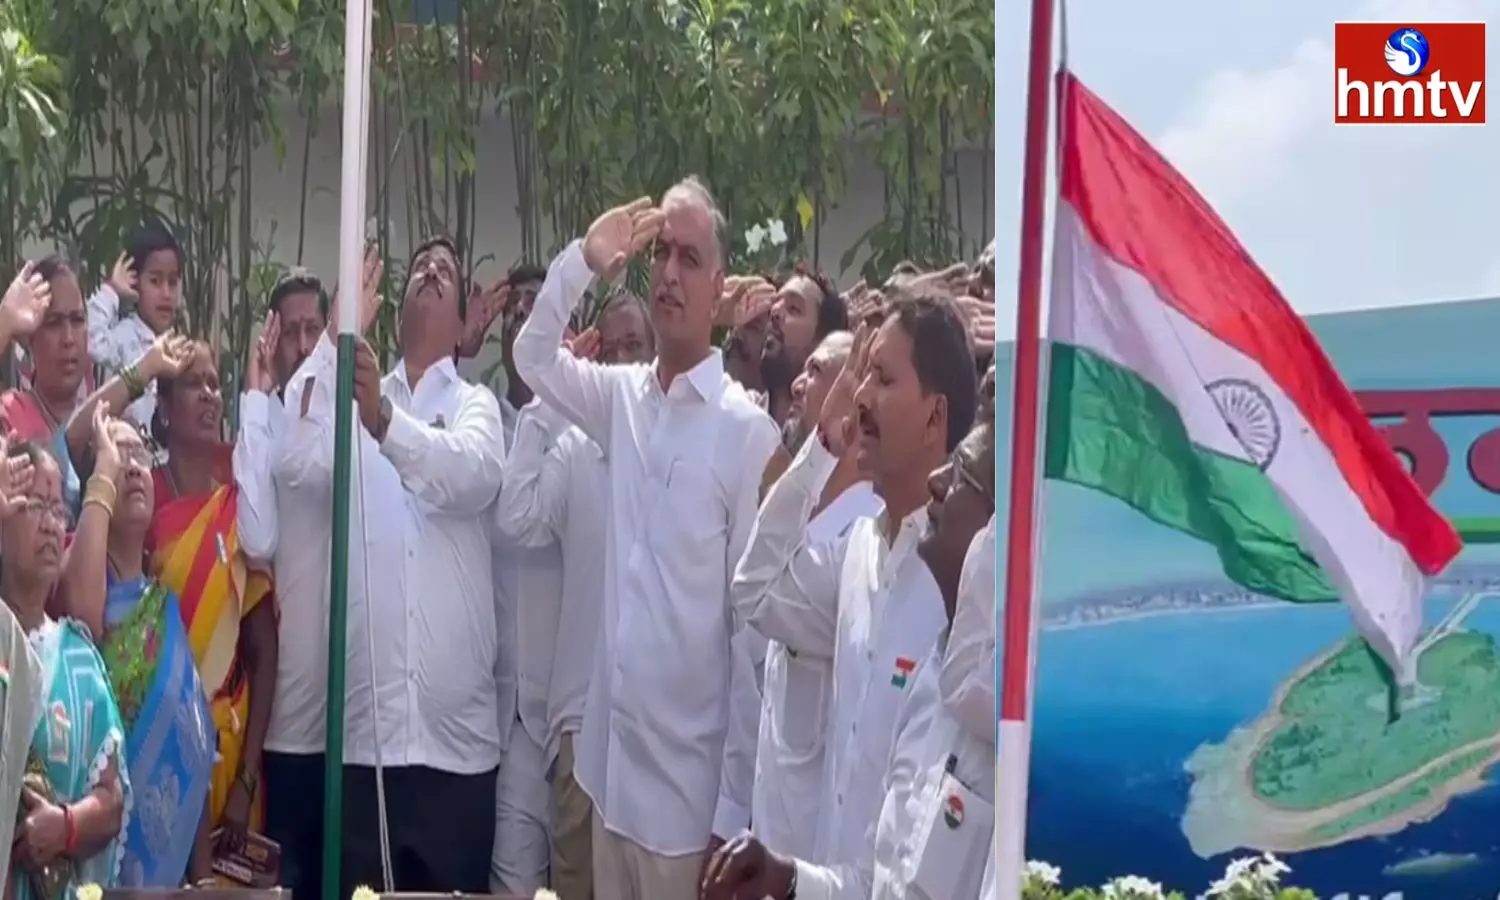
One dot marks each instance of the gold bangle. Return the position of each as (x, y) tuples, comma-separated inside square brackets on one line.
[(101, 489), (135, 385), (109, 509)]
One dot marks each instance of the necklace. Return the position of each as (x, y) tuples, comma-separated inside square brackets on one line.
[(53, 420), (213, 483)]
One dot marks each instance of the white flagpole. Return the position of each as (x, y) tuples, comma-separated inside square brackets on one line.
[(351, 263), (1018, 603)]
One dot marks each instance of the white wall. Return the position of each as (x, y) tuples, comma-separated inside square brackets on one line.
[(278, 191), (278, 186)]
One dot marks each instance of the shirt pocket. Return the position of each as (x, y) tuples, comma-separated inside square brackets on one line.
[(954, 840), (804, 712), (688, 515)]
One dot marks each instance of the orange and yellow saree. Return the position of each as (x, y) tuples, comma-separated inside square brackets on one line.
[(196, 553)]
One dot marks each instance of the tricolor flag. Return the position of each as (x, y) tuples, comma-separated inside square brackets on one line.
[(904, 668), (1183, 384)]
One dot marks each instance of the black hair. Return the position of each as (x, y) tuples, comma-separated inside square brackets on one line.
[(941, 355), (297, 281), (445, 243), (53, 265), (832, 314), (525, 273), (151, 238), (165, 387)]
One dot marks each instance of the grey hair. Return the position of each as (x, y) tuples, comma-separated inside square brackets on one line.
[(838, 344), (694, 188)]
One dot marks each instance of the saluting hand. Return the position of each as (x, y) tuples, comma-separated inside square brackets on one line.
[(620, 234)]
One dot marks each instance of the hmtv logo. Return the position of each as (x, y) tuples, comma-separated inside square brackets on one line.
[(1393, 73)]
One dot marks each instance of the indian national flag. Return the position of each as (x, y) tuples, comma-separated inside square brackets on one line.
[(1183, 384)]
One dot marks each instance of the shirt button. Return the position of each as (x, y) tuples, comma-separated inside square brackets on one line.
[(839, 799)]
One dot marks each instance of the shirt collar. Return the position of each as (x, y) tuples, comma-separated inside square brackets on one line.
[(911, 527), (443, 370), (706, 378)]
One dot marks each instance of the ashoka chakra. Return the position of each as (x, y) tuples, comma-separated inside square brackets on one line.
[(1251, 418)]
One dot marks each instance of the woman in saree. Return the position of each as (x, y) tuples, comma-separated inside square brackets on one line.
[(76, 794), (169, 734), (47, 317), (227, 605)]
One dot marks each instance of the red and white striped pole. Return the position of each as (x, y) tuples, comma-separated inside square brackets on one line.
[(1014, 737)]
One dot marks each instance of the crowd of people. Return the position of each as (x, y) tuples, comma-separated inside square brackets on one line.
[(661, 621)]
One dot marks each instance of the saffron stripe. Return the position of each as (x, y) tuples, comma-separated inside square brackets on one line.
[(1147, 217)]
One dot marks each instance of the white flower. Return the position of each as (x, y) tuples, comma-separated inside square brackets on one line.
[(1249, 878), (755, 238), (776, 231), (1042, 873), (89, 891), (543, 894), (363, 892), (1132, 887)]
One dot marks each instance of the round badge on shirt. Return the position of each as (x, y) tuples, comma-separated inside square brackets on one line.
[(953, 811)]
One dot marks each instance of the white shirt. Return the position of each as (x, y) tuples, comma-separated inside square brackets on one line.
[(555, 496), (667, 751), (274, 464), (283, 464), (528, 588), (867, 603), (435, 639), (115, 343), (794, 711), (968, 676), (934, 835)]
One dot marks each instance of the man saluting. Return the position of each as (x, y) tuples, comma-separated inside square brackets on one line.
[(667, 747)]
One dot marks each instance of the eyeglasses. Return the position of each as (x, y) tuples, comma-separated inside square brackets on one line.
[(963, 477), (136, 455), (36, 508)]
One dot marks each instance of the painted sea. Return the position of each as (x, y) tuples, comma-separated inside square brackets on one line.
[(1170, 707)]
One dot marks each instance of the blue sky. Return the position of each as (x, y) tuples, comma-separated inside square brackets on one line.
[(1239, 97)]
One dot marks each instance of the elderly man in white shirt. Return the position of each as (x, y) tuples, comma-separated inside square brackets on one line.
[(799, 688), (933, 834), (430, 611), (903, 401), (555, 496), (668, 742), (283, 466)]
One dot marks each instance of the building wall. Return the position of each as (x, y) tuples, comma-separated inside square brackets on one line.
[(277, 186)]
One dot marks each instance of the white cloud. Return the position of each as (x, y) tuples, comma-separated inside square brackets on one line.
[(1345, 216), (1244, 126)]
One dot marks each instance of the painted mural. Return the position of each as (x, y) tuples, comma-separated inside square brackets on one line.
[(1180, 720)]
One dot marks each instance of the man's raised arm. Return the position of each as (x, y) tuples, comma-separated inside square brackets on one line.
[(582, 391)]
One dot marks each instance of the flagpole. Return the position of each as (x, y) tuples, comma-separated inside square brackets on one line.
[(1014, 737), (351, 265)]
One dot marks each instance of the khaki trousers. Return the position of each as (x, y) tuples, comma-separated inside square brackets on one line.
[(572, 830), (624, 870)]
